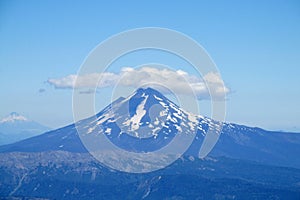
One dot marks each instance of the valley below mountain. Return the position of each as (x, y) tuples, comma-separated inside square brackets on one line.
[(66, 175)]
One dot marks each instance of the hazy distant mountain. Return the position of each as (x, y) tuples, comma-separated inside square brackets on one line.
[(15, 127), (246, 163)]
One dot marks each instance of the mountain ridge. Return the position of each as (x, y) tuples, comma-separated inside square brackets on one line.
[(65, 175)]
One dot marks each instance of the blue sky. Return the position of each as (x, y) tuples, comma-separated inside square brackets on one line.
[(255, 44)]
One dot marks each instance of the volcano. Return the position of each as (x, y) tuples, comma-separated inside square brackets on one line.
[(246, 163), (146, 121)]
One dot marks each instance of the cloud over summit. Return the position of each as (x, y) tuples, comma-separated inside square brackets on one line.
[(179, 82)]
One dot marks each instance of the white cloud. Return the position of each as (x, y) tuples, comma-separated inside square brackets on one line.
[(179, 82), (85, 81)]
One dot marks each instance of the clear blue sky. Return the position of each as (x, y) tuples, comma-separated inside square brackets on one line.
[(255, 44)]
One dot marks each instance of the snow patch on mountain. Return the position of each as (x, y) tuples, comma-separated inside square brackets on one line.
[(135, 121)]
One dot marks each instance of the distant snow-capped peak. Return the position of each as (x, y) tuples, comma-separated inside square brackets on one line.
[(13, 117)]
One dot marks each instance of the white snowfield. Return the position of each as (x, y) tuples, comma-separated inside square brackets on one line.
[(140, 112)]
